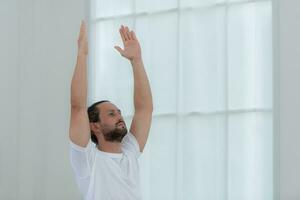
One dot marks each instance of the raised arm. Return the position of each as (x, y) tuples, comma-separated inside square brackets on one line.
[(79, 131), (143, 105)]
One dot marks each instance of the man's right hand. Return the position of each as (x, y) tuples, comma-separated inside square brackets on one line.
[(82, 40)]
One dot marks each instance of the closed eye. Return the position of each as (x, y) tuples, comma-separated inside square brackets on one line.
[(113, 112)]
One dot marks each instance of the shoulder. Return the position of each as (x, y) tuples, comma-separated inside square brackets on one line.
[(130, 143)]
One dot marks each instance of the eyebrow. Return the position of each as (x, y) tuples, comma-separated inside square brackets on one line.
[(113, 110)]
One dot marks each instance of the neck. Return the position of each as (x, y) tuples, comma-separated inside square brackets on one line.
[(110, 147)]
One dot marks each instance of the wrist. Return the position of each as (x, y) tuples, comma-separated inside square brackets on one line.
[(136, 61), (81, 55)]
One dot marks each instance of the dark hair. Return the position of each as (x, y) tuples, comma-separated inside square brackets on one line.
[(93, 113)]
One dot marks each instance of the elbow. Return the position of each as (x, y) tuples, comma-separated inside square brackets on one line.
[(77, 104), (144, 103), (78, 100), (151, 108), (145, 108)]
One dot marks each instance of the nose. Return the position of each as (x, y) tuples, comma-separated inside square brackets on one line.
[(120, 118)]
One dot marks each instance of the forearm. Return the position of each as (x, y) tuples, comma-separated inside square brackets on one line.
[(79, 82), (142, 90)]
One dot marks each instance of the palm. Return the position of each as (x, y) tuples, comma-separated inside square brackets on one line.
[(132, 49)]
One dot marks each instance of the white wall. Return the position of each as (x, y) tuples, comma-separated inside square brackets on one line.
[(287, 52), (38, 51), (37, 57), (9, 120)]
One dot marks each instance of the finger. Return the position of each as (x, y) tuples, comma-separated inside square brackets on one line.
[(125, 34), (119, 49), (133, 36), (82, 30), (122, 35), (84, 27), (128, 33)]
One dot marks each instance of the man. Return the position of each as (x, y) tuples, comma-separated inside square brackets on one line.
[(106, 168)]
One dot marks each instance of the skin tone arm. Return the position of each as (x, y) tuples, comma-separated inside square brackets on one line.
[(79, 131), (143, 105)]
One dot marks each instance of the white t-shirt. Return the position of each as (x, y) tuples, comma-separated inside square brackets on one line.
[(107, 176)]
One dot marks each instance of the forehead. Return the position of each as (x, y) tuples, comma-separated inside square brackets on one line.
[(107, 106)]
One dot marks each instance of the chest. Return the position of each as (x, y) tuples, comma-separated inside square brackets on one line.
[(123, 169)]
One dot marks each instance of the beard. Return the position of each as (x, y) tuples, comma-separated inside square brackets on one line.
[(115, 135)]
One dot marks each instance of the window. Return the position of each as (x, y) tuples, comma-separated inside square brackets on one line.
[(209, 63)]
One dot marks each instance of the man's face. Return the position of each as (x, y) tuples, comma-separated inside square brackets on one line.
[(112, 123)]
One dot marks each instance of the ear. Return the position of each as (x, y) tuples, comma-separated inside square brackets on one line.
[(95, 127)]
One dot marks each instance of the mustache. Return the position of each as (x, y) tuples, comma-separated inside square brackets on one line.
[(120, 122)]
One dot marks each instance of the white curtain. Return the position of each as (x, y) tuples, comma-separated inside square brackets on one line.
[(209, 64)]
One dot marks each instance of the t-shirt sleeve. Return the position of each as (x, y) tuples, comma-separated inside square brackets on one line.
[(130, 144), (82, 159)]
